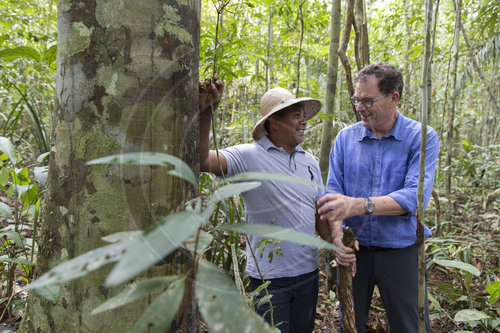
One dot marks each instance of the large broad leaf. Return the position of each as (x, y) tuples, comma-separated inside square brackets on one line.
[(50, 55), (5, 210), (494, 290), (181, 169), (230, 190), (19, 52), (223, 308), (458, 264), (81, 265), (279, 233), (7, 147), (148, 249), (162, 311), (470, 315), (246, 176), (136, 291)]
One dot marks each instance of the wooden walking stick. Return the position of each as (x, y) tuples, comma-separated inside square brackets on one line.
[(345, 288)]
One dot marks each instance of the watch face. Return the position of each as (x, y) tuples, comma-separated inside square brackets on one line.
[(369, 206)]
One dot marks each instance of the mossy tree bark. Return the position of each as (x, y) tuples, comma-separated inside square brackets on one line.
[(127, 77)]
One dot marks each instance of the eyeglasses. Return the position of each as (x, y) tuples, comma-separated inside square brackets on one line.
[(367, 101)]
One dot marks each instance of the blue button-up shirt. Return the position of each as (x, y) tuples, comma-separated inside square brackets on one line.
[(362, 165)]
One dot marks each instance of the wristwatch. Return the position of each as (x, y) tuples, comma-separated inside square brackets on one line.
[(369, 206)]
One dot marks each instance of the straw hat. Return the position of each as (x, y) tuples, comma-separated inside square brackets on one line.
[(277, 99)]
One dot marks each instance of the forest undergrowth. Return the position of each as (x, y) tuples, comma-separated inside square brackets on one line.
[(474, 237)]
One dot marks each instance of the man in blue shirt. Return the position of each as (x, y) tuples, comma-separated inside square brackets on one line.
[(374, 171), (278, 135)]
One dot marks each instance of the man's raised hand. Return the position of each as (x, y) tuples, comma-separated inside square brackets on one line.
[(210, 93)]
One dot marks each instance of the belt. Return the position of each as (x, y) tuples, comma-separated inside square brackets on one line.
[(378, 248)]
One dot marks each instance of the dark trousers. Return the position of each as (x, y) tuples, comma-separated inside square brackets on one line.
[(294, 302), (395, 272)]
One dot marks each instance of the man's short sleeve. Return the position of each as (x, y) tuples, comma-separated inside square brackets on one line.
[(235, 158)]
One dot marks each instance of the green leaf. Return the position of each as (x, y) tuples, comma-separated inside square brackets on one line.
[(217, 297), (7, 147), (136, 291), (81, 265), (2, 39), (279, 233), (50, 55), (21, 176), (147, 250), (49, 292), (204, 241), (4, 176), (181, 169), (494, 290), (20, 52), (5, 210), (21, 261), (42, 157), (264, 300), (230, 190), (435, 302), (41, 174), (29, 197), (280, 177), (162, 311), (470, 315), (14, 236), (458, 264)]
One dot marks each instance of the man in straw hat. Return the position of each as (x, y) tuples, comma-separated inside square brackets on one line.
[(374, 167), (278, 134)]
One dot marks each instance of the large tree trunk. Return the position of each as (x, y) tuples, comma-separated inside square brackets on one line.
[(331, 88), (126, 74)]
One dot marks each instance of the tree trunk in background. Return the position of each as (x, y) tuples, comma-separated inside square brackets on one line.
[(406, 102), (346, 33), (127, 77), (301, 9), (362, 49), (450, 129), (424, 112), (331, 89), (269, 45)]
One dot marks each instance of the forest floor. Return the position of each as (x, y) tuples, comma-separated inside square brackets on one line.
[(479, 232)]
